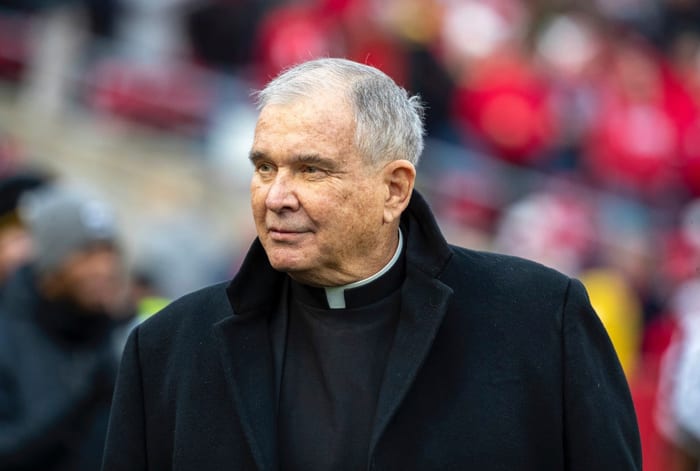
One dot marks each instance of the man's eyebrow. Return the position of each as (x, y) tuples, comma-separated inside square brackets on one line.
[(256, 156), (316, 159), (307, 159)]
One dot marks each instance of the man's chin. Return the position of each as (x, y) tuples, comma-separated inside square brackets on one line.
[(298, 270), (287, 259), (286, 266)]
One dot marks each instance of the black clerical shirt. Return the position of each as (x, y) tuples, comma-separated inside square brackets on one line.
[(333, 369)]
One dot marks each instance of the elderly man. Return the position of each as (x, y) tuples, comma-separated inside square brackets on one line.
[(353, 336)]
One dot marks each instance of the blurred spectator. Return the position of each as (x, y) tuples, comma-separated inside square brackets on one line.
[(146, 296), (291, 33), (58, 336), (173, 95), (221, 31), (501, 103), (679, 397), (620, 310), (56, 39), (12, 155), (505, 106), (145, 77), (554, 228), (14, 47), (678, 411), (15, 240), (568, 53), (636, 139)]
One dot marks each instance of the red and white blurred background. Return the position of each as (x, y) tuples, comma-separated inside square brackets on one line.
[(563, 131)]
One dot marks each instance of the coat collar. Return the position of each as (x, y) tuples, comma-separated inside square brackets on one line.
[(252, 339), (427, 248)]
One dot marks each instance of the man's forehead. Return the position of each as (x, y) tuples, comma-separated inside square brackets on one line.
[(323, 102), (303, 118), (305, 127)]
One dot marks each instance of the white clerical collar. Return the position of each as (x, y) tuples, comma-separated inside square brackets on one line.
[(336, 294)]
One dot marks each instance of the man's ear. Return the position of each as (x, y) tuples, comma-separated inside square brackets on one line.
[(399, 178)]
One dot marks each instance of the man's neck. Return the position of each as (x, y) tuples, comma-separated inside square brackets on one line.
[(336, 294)]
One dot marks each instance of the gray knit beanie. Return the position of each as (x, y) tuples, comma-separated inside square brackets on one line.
[(64, 221)]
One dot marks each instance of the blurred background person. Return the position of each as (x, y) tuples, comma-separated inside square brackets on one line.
[(146, 296), (60, 334), (678, 407), (15, 240), (679, 411)]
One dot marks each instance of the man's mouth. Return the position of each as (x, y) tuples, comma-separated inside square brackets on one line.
[(285, 234)]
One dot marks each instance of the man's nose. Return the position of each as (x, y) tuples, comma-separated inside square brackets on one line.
[(282, 195)]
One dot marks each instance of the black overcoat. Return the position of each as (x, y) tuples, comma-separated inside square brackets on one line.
[(497, 364)]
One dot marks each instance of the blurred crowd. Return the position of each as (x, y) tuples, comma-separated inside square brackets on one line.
[(563, 131)]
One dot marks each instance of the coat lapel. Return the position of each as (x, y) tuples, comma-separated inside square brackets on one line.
[(424, 302), (248, 366), (249, 343)]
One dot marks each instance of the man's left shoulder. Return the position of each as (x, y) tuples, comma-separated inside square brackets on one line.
[(510, 285), (505, 269)]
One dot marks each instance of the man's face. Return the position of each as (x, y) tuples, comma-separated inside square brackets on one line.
[(93, 279), (318, 207), (15, 249)]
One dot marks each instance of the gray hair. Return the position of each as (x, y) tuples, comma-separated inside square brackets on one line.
[(388, 122)]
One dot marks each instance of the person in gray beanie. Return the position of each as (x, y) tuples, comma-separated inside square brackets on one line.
[(60, 317), (15, 242), (64, 221)]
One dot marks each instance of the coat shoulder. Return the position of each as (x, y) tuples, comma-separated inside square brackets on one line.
[(505, 280), (506, 268)]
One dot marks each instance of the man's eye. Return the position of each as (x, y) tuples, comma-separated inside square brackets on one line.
[(264, 168), (310, 169)]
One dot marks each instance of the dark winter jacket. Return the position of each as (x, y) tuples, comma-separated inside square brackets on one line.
[(57, 373), (497, 364)]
